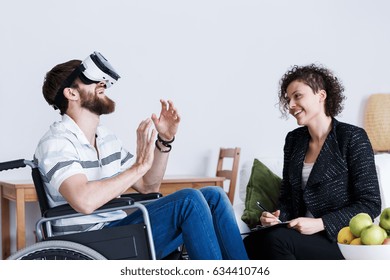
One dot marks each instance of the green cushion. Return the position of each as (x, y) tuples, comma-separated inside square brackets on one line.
[(263, 186)]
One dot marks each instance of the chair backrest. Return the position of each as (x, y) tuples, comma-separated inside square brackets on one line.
[(40, 189), (231, 173)]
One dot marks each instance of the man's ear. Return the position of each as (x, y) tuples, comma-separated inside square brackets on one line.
[(71, 94)]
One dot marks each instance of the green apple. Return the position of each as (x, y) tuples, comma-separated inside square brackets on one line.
[(384, 220), (373, 235), (359, 222)]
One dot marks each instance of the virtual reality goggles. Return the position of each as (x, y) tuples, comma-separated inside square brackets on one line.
[(94, 69)]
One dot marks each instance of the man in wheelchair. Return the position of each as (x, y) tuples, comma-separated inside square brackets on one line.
[(82, 163)]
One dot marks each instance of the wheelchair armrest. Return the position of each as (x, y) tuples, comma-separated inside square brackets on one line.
[(66, 209), (139, 197)]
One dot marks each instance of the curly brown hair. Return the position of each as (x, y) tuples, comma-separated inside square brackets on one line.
[(317, 78)]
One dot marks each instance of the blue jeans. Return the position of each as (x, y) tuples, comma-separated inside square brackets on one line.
[(203, 220)]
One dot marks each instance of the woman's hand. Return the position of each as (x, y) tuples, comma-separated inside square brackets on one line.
[(269, 219), (145, 146), (306, 225), (168, 122)]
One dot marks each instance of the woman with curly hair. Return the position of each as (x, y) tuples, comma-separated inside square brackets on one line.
[(329, 172)]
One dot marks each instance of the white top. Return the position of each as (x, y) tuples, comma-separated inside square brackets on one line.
[(64, 151), (306, 170)]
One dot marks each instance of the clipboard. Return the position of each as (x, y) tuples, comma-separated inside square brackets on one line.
[(260, 228)]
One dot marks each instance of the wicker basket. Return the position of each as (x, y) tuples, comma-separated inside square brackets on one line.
[(377, 121)]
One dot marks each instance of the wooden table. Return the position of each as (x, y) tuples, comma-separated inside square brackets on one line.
[(24, 191)]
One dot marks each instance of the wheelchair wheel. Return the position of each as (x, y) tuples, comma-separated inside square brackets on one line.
[(57, 250)]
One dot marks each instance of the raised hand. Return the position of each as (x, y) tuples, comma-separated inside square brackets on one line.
[(168, 121), (145, 146)]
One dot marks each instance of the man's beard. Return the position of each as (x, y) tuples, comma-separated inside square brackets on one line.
[(99, 106)]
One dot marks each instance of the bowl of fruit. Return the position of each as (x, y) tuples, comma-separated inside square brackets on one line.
[(362, 239)]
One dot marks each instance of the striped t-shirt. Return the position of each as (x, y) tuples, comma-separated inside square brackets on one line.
[(64, 151)]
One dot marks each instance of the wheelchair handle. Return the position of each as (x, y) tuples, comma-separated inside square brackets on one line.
[(18, 163)]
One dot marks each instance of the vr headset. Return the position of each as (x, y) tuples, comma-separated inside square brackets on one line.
[(94, 69)]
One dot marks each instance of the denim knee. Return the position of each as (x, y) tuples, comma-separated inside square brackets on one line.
[(214, 193), (193, 195), (189, 193)]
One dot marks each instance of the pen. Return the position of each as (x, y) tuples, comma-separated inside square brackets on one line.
[(265, 209)]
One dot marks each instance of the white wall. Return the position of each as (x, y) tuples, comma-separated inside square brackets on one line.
[(220, 62)]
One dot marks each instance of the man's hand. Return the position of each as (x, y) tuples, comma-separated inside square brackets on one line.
[(145, 146), (168, 122)]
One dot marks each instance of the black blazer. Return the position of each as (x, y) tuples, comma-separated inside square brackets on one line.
[(342, 183)]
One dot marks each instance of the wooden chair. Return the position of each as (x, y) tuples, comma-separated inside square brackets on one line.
[(229, 174)]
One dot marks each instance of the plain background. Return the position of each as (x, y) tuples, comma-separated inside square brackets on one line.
[(220, 61)]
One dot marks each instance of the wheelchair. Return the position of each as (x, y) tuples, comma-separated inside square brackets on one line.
[(130, 242)]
